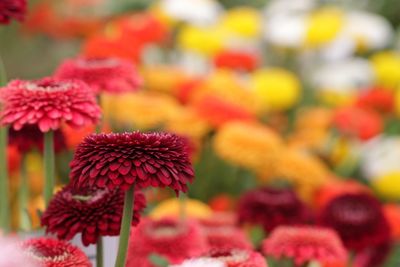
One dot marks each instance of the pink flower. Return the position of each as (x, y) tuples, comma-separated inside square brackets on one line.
[(238, 257), (169, 238), (11, 254), (304, 244), (226, 237), (112, 75), (48, 103)]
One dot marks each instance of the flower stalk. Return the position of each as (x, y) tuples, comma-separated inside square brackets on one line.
[(24, 221), (125, 227), (49, 166), (99, 252)]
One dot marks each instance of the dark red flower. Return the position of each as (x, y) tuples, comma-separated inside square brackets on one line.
[(55, 253), (373, 256), (305, 244), (93, 213), (358, 218), (48, 103), (12, 9), (238, 257), (271, 207), (379, 99), (123, 159), (169, 238), (30, 137), (102, 74), (358, 122), (238, 60)]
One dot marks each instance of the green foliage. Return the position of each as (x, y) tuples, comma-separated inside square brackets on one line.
[(158, 260)]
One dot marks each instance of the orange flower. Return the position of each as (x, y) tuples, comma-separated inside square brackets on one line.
[(392, 214), (73, 136), (163, 78)]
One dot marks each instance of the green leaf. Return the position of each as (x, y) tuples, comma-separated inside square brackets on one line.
[(257, 235), (158, 260)]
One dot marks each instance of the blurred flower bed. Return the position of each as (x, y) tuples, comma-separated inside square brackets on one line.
[(288, 110)]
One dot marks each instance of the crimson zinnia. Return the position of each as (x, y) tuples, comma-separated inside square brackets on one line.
[(271, 207), (91, 212), (112, 75), (47, 103), (123, 159), (169, 238), (358, 218), (305, 244), (55, 253), (12, 9)]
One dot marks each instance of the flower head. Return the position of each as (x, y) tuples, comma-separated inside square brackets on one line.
[(55, 253), (358, 218), (48, 103), (12, 9), (305, 244), (168, 238), (11, 254), (271, 207), (237, 60), (238, 257), (92, 212), (226, 237), (378, 98), (112, 75), (123, 159), (201, 262)]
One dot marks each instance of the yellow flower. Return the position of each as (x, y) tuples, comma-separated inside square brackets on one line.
[(324, 26), (278, 89), (387, 68), (144, 111), (243, 21), (162, 78), (388, 185), (248, 145), (227, 85), (171, 208), (203, 40), (335, 98), (303, 171), (186, 122)]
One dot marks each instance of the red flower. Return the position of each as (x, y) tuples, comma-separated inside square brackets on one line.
[(226, 237), (238, 257), (218, 111), (304, 244), (358, 122), (47, 103), (358, 218), (373, 256), (30, 137), (12, 9), (55, 253), (102, 74), (123, 159), (14, 159), (378, 99), (168, 238), (238, 60), (94, 213), (271, 207)]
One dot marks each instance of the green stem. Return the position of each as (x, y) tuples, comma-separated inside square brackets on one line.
[(4, 183), (24, 221), (99, 252), (125, 227), (49, 166), (182, 207)]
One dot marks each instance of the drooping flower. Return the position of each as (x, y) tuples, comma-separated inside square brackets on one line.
[(168, 238), (201, 262), (11, 254), (269, 208), (112, 75), (123, 159), (55, 253), (12, 9), (238, 257), (48, 103), (358, 218), (91, 212), (361, 123), (30, 137), (245, 144), (303, 244)]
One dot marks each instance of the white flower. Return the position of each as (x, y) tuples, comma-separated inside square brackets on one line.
[(11, 254), (201, 262), (284, 6), (369, 30), (380, 156), (342, 76), (200, 12)]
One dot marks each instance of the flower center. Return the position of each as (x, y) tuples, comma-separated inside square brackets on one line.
[(48, 254), (355, 213), (231, 256), (49, 86)]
